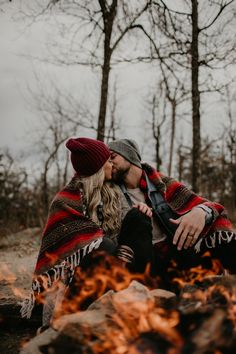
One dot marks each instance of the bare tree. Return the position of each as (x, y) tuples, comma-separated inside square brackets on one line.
[(61, 117), (184, 162), (158, 119), (93, 31), (113, 127), (17, 207), (231, 145), (184, 33)]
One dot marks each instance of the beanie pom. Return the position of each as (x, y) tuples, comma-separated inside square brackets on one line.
[(73, 145)]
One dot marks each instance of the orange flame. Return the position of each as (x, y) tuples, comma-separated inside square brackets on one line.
[(196, 274), (130, 326), (138, 319), (92, 283)]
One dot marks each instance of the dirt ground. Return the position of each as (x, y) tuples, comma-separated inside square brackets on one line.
[(18, 253)]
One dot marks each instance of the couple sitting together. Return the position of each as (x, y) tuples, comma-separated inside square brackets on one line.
[(130, 210)]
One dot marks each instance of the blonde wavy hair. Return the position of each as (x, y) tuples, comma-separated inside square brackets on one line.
[(97, 192)]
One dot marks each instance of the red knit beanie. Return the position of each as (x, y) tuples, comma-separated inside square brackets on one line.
[(87, 155)]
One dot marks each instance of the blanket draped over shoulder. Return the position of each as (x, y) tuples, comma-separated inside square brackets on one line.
[(68, 236), (181, 199)]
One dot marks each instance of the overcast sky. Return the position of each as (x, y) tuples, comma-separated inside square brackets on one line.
[(18, 43), (15, 70)]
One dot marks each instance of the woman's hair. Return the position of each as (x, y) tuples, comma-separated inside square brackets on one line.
[(97, 192)]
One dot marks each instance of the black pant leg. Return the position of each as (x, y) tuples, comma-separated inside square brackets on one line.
[(136, 233), (107, 246), (223, 247)]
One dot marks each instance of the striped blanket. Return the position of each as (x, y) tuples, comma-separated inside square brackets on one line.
[(68, 236)]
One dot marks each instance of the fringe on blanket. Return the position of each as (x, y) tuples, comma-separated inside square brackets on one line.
[(63, 271), (217, 238)]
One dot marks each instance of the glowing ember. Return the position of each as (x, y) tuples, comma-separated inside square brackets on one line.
[(195, 274)]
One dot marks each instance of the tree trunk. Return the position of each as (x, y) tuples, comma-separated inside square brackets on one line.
[(196, 149), (232, 149), (108, 20), (103, 97), (157, 146), (44, 190), (156, 131), (180, 164), (173, 121)]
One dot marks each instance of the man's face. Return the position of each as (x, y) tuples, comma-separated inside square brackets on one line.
[(120, 167), (107, 167)]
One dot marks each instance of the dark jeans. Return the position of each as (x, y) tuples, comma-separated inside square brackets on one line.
[(136, 232), (107, 245)]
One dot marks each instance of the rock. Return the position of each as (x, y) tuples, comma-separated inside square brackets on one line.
[(204, 296), (105, 300), (161, 293), (43, 339), (132, 321), (214, 333), (118, 314), (164, 298), (99, 314), (72, 325)]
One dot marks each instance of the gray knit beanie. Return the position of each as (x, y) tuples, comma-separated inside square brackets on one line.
[(127, 148)]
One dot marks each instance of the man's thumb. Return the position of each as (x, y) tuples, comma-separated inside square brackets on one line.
[(175, 221)]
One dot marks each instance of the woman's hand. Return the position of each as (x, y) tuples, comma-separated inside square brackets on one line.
[(144, 208), (189, 229)]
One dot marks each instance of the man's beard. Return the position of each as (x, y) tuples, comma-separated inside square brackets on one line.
[(119, 175)]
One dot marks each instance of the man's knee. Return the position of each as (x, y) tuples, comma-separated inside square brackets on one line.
[(136, 217), (108, 246), (136, 231)]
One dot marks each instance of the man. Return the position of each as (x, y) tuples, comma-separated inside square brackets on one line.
[(178, 224)]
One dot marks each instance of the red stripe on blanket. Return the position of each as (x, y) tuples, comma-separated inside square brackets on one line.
[(221, 223), (56, 217), (193, 202), (51, 258), (172, 189), (69, 195)]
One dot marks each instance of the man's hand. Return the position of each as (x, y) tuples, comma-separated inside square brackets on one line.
[(189, 229), (144, 208)]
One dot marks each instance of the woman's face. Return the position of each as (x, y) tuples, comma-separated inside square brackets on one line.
[(108, 170)]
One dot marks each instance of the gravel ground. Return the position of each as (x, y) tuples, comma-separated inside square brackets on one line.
[(18, 253)]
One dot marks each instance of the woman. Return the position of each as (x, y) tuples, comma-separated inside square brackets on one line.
[(84, 216)]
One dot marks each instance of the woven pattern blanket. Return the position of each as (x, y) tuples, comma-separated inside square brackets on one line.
[(68, 236), (181, 199), (67, 229)]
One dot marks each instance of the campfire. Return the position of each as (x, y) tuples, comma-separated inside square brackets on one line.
[(110, 310)]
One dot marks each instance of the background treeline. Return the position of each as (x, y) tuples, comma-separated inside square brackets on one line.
[(24, 202), (188, 46)]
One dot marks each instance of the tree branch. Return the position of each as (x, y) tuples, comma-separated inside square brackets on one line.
[(216, 17), (130, 25)]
